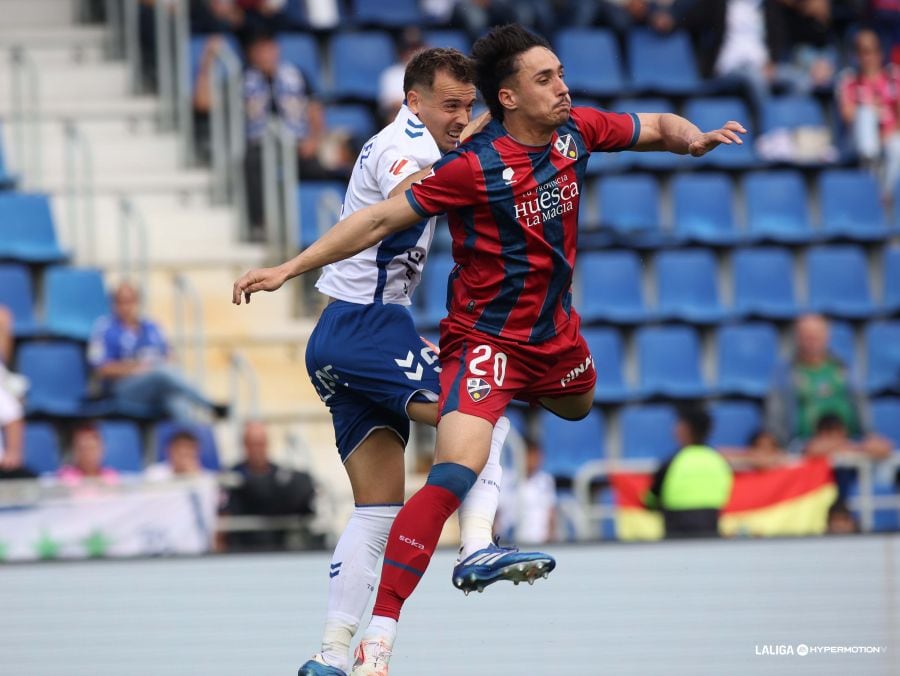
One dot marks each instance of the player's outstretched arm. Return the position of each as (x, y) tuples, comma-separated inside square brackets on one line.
[(665, 131), (355, 233)]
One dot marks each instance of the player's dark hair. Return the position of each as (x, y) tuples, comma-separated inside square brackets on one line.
[(697, 421), (496, 59), (423, 67), (829, 422), (184, 435)]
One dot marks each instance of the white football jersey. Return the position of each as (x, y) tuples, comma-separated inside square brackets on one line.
[(389, 271)]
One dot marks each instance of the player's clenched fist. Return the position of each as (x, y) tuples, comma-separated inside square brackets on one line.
[(260, 279)]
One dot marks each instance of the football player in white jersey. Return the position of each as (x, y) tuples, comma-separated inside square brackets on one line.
[(375, 373)]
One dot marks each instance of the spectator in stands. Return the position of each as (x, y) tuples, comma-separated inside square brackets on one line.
[(886, 20), (130, 358), (813, 384), (803, 42), (87, 458), (841, 520), (390, 84), (14, 383), (182, 459), (528, 509), (266, 489), (12, 426), (477, 16), (869, 105), (762, 452), (237, 16), (694, 485), (831, 438)]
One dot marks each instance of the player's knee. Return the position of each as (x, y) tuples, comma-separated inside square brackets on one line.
[(456, 478)]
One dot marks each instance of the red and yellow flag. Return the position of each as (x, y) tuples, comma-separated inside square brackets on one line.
[(792, 500)]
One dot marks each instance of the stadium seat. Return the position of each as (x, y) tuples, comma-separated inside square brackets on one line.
[(7, 180), (687, 286), (839, 282), (122, 447), (764, 283), (882, 341), (669, 362), (27, 232), (712, 113), (41, 448), (581, 52), (198, 44), (777, 208), (432, 291), (629, 205), (209, 451), (17, 296), (568, 444), (301, 50), (791, 112), (842, 343), (733, 423), (747, 355), (319, 208), (393, 14), (74, 298), (704, 209), (353, 119), (58, 376), (610, 288), (357, 60), (851, 205), (662, 64), (890, 298), (886, 418), (648, 431), (451, 39), (608, 354)]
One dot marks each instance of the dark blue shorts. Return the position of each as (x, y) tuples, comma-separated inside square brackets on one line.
[(367, 362)]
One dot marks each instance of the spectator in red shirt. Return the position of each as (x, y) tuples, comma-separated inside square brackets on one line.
[(869, 104)]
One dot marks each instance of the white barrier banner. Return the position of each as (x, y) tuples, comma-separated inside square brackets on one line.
[(93, 521)]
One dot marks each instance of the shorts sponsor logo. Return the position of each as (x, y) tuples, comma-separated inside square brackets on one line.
[(412, 542), (478, 388), (576, 372)]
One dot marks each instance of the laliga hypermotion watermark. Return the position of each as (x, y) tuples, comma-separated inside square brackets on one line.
[(804, 649)]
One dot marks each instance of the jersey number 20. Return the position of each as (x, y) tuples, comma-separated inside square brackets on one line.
[(482, 354)]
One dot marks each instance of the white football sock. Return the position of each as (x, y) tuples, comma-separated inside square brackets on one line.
[(380, 627), (477, 512), (353, 577)]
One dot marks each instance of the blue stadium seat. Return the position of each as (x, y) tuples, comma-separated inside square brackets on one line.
[(764, 283), (747, 355), (839, 282), (669, 362), (851, 205), (886, 418), (704, 209), (777, 209), (41, 448), (608, 354), (74, 298), (882, 341), (791, 112), (393, 14), (712, 113), (629, 204), (209, 450), (27, 232), (733, 423), (580, 50), (687, 286), (301, 50), (648, 431), (319, 208), (122, 447), (432, 291), (610, 288), (17, 295), (890, 298), (356, 120), (451, 39), (842, 343), (58, 376), (357, 60), (198, 44), (7, 180), (662, 64), (568, 444)]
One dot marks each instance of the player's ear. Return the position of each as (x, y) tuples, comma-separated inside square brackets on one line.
[(413, 101), (507, 98)]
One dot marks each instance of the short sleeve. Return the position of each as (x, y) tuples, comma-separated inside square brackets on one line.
[(450, 185), (392, 169), (603, 130)]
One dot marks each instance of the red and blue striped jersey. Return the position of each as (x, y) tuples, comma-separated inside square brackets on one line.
[(513, 214)]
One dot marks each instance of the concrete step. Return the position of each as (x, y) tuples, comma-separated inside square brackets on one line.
[(125, 109), (132, 154), (38, 13), (74, 83), (90, 50), (186, 183), (50, 38)]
